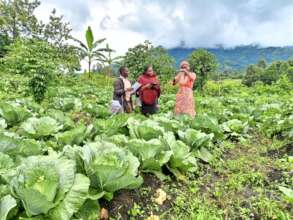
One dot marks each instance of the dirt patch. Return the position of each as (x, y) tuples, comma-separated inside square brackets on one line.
[(279, 153), (124, 200), (150, 180), (274, 175)]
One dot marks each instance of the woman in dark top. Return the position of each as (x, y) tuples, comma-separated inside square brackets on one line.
[(150, 91)]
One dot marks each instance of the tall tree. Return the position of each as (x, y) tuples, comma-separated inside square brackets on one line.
[(139, 56), (91, 49), (18, 18), (252, 75), (56, 31), (202, 63)]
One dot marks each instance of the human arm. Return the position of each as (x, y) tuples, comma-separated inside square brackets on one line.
[(189, 74), (177, 78)]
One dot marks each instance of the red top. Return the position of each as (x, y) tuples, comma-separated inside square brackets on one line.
[(149, 96)]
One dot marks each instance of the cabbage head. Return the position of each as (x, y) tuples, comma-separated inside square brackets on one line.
[(109, 167), (49, 186)]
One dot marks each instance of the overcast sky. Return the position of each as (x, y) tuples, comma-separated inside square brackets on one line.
[(194, 23)]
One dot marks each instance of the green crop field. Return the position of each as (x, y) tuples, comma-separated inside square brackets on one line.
[(68, 157), (64, 156)]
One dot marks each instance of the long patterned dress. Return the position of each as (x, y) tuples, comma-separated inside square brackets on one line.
[(184, 98)]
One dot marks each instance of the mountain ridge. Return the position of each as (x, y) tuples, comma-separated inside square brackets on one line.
[(238, 58)]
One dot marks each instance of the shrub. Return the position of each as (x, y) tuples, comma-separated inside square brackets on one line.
[(27, 57), (203, 63)]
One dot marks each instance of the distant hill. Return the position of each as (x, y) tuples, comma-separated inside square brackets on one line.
[(238, 58)]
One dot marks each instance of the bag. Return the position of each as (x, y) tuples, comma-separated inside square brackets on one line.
[(149, 96), (116, 107)]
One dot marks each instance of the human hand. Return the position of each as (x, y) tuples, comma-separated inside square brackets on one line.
[(129, 90), (149, 85), (185, 71)]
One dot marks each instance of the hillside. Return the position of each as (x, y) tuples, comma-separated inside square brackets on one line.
[(239, 57)]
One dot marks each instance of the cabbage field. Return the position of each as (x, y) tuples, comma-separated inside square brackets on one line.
[(68, 158)]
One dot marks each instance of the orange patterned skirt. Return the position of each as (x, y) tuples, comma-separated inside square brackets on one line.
[(185, 102)]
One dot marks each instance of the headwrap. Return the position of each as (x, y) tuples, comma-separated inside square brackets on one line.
[(184, 63)]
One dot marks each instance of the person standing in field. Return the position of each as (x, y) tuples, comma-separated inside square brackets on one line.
[(122, 100), (149, 91), (184, 98)]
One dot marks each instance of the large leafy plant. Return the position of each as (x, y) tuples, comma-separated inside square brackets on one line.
[(50, 187), (75, 136), (40, 127), (182, 160), (153, 154), (13, 114), (235, 129), (196, 139), (109, 167), (19, 147), (90, 49), (146, 130)]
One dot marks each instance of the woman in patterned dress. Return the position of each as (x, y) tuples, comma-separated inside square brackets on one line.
[(184, 98)]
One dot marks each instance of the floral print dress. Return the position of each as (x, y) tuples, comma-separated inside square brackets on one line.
[(184, 98)]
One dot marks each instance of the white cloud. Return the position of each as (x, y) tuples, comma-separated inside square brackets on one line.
[(198, 23)]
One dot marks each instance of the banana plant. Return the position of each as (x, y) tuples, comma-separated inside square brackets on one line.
[(109, 60), (91, 49)]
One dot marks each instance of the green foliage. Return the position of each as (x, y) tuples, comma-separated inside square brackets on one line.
[(110, 168), (4, 42), (13, 114), (113, 150), (7, 203), (146, 130), (196, 139), (262, 64), (18, 19), (38, 86), (40, 127), (203, 63), (141, 55), (252, 75), (267, 74), (91, 49), (56, 31), (152, 154), (15, 147), (48, 185), (34, 58), (27, 57)]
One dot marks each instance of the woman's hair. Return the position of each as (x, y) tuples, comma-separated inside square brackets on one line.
[(122, 69), (146, 68)]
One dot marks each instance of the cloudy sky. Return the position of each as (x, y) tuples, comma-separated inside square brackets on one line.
[(192, 23)]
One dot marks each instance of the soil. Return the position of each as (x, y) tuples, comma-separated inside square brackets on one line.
[(124, 200), (274, 175), (279, 153)]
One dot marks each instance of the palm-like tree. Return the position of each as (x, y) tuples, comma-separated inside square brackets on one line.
[(108, 59), (91, 49)]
